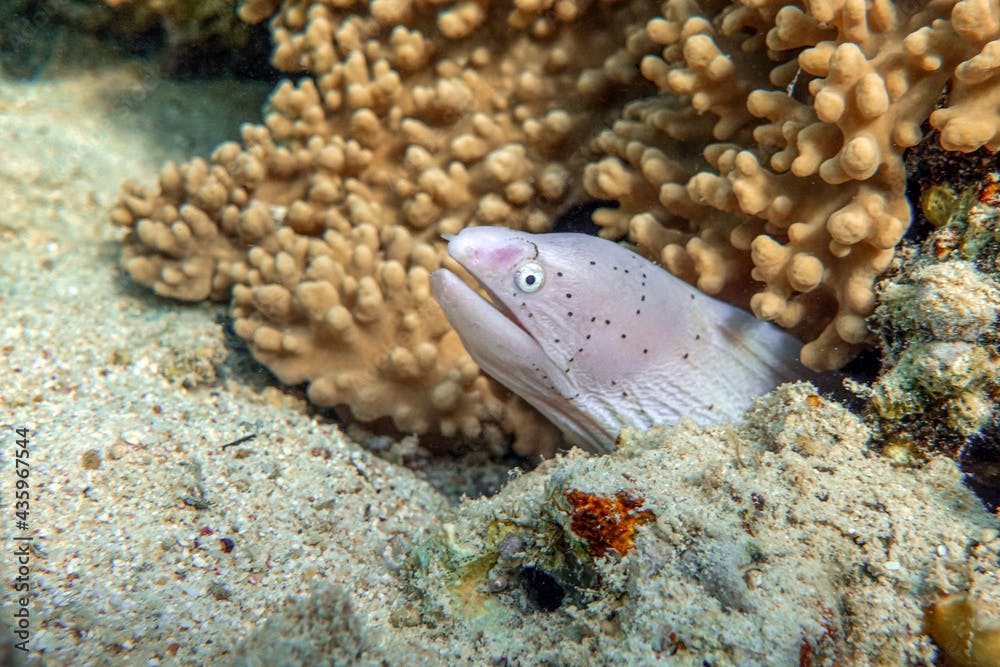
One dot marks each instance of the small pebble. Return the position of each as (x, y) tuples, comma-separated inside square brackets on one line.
[(131, 437), (90, 459), (510, 546), (219, 591), (117, 450)]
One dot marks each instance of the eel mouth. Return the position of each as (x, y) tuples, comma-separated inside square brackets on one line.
[(476, 250), (495, 301)]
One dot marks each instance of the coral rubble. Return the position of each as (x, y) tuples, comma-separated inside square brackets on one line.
[(760, 543), (936, 322)]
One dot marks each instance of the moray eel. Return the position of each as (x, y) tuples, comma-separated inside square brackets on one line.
[(595, 337)]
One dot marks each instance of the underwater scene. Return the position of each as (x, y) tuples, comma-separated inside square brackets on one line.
[(504, 333)]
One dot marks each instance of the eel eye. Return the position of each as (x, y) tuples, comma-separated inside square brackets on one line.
[(529, 277)]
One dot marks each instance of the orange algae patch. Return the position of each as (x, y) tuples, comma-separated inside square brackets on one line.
[(990, 193), (607, 522)]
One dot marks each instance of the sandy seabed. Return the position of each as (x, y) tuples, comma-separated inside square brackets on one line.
[(150, 541)]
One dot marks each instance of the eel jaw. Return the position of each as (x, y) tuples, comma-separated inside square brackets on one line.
[(488, 329), (506, 352), (495, 302)]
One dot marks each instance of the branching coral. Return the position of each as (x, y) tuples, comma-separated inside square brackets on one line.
[(803, 110), (417, 119)]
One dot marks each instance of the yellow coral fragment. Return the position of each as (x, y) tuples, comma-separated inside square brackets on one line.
[(965, 630)]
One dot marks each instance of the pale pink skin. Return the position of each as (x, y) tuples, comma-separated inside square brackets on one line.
[(609, 339)]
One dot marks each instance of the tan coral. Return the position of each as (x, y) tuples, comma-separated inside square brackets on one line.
[(310, 307), (811, 188), (971, 118), (188, 231), (416, 119)]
